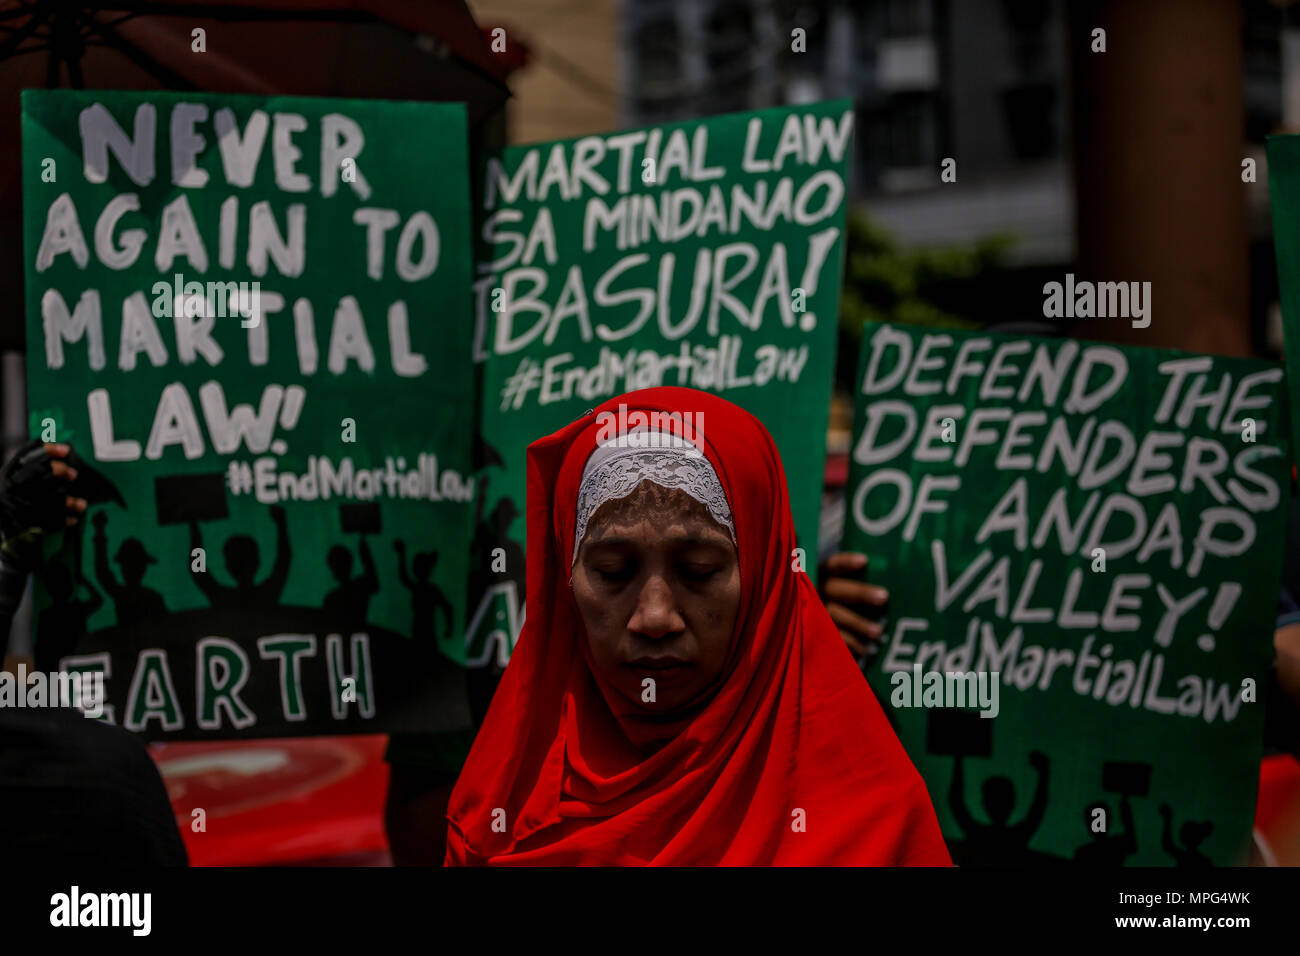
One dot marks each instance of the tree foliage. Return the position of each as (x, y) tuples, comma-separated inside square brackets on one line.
[(884, 282)]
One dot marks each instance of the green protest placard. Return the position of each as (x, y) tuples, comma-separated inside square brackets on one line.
[(1284, 201), (248, 316), (705, 254), (1082, 545)]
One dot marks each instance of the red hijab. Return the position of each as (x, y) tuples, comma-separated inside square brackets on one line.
[(790, 762)]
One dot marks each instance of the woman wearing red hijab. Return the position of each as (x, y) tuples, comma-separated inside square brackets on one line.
[(679, 694)]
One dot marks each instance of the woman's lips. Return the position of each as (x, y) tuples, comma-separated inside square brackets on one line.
[(658, 665)]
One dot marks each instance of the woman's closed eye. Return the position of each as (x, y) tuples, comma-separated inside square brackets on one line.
[(615, 572), (693, 572), (698, 572)]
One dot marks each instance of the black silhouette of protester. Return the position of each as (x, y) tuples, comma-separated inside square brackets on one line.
[(33, 504), (1108, 849), (72, 789), (999, 843), (424, 767), (1192, 834), (492, 533), (347, 605), (63, 624), (427, 599), (133, 602), (486, 570), (242, 561)]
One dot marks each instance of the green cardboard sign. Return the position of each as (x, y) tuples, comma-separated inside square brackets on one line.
[(1082, 545), (704, 254), (246, 315)]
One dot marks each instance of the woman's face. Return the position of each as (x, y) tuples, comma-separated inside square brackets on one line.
[(657, 582)]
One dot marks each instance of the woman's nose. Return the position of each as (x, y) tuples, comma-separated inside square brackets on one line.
[(656, 612)]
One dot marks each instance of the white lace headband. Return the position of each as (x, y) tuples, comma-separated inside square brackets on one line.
[(615, 469)]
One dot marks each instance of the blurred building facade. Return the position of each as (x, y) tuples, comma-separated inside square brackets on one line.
[(567, 56), (982, 81), (985, 82)]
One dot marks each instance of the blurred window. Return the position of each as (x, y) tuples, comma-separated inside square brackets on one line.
[(811, 16), (729, 39), (1028, 34), (1028, 112), (800, 75), (908, 18), (912, 123), (871, 137), (657, 54)]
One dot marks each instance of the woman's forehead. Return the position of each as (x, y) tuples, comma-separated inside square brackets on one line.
[(657, 511)]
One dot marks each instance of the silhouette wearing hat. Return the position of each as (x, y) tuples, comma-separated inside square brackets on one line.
[(133, 602), (242, 561), (492, 532)]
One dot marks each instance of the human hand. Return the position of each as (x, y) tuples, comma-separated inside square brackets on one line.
[(31, 489), (34, 501), (847, 598)]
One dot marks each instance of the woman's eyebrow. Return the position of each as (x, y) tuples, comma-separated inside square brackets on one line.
[(703, 539), (611, 540)]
